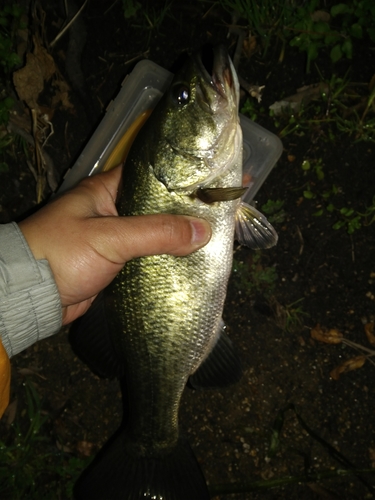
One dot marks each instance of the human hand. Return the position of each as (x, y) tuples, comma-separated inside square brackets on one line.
[(86, 243)]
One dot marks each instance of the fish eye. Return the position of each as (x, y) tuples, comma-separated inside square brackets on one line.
[(181, 94)]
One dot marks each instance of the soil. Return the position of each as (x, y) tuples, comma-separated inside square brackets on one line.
[(323, 276)]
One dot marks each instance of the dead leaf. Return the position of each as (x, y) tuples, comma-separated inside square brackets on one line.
[(348, 366), (303, 96), (332, 336), (45, 60), (320, 15), (249, 46), (28, 371), (62, 96), (369, 330), (85, 448), (63, 447), (29, 81), (10, 413)]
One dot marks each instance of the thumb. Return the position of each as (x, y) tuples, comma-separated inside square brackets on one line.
[(124, 238)]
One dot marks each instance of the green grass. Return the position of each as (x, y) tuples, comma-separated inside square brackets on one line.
[(31, 465)]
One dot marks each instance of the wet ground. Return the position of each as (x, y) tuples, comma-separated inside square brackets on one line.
[(287, 416)]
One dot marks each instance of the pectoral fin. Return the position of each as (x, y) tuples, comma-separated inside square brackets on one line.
[(210, 195), (253, 229)]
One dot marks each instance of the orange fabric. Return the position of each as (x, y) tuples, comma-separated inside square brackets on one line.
[(4, 379)]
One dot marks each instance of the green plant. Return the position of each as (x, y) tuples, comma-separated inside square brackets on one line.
[(308, 26), (153, 16), (348, 217), (293, 316), (254, 277), (274, 211), (130, 8), (30, 465), (10, 22), (266, 19), (333, 108), (315, 29), (317, 167)]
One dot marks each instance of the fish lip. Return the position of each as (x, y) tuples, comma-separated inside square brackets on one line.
[(223, 73)]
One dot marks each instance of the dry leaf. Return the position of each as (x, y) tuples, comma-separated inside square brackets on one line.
[(10, 413), (249, 46), (303, 96), (348, 366), (331, 336), (320, 15), (369, 330), (85, 448), (62, 96), (29, 81), (45, 60), (63, 447)]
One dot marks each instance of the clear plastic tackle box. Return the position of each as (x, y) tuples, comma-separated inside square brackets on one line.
[(139, 94)]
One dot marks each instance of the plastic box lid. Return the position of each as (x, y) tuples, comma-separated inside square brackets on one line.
[(140, 92)]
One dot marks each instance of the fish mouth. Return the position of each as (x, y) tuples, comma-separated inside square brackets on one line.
[(218, 71)]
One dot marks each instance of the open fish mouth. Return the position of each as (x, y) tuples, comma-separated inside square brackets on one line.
[(218, 71)]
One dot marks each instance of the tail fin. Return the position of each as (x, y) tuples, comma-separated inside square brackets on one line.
[(117, 476)]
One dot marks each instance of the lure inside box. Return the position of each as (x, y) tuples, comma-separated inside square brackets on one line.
[(140, 92)]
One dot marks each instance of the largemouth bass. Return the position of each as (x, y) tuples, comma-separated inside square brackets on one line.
[(164, 312)]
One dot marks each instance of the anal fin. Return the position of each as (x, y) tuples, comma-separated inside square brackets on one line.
[(221, 367)]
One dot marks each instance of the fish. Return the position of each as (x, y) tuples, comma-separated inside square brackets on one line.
[(162, 326)]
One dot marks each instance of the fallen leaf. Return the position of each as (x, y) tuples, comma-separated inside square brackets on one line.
[(29, 81), (85, 448), (45, 60), (62, 96), (249, 46), (369, 330), (320, 16), (304, 95), (63, 447), (348, 366), (10, 413), (28, 371), (332, 336)]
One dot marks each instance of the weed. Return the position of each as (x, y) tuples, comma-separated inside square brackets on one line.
[(29, 466), (10, 22), (254, 277), (274, 211), (130, 8), (308, 26), (338, 107), (153, 17)]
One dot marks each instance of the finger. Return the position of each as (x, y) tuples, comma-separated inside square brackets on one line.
[(120, 239), (101, 190)]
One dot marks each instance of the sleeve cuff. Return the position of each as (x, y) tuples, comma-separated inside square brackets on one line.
[(30, 306)]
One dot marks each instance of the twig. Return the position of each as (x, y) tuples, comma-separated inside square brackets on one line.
[(253, 90), (59, 35)]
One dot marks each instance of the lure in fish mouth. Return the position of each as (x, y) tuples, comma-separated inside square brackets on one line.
[(159, 324)]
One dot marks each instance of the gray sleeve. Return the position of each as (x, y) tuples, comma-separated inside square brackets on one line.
[(30, 307)]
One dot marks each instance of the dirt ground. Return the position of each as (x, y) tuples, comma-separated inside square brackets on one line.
[(320, 276)]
